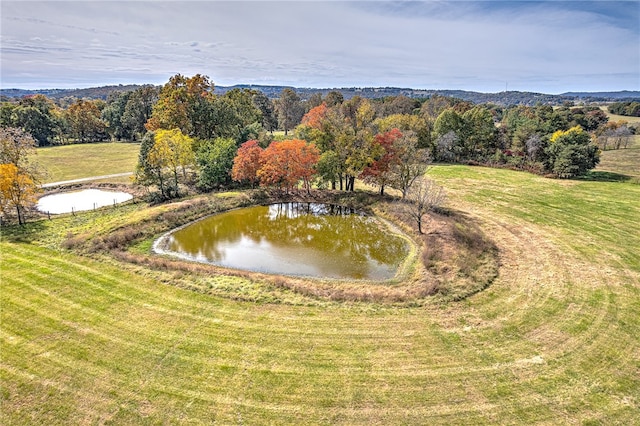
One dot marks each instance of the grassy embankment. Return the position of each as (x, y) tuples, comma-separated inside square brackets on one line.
[(552, 340)]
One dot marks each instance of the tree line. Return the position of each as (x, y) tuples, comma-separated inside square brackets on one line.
[(331, 141), (192, 137), (628, 108)]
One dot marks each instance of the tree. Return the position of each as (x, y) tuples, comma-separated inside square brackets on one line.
[(445, 145), (290, 109), (380, 172), (35, 115), (330, 168), (357, 142), (423, 197), (215, 160), (314, 117), (165, 156), (333, 98), (481, 135), (138, 110), (265, 106), (411, 162), (19, 177), (17, 191), (113, 114), (185, 103), (616, 132), (247, 162), (398, 105), (449, 121), (286, 163), (85, 121), (421, 126), (570, 153)]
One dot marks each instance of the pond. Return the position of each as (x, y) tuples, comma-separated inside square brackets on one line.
[(304, 239), (86, 199)]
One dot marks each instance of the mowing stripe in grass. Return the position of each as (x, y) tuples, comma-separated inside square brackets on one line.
[(552, 340)]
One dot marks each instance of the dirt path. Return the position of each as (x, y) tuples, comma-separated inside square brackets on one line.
[(87, 179)]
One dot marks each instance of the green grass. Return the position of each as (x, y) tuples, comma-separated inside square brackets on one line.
[(98, 159), (554, 339)]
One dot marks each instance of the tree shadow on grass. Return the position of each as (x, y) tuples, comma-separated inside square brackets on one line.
[(601, 176), (26, 233)]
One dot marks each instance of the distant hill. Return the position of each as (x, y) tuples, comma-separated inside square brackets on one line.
[(101, 92), (500, 98), (625, 94)]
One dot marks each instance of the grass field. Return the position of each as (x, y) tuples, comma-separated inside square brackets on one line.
[(554, 339), (98, 159), (622, 161)]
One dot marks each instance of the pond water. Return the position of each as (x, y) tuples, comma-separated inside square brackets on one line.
[(86, 199), (307, 239)]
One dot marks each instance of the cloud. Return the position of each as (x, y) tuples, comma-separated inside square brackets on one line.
[(538, 46)]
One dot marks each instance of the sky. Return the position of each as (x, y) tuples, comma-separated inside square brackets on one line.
[(488, 46)]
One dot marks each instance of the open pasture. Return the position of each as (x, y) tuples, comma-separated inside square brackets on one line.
[(97, 159), (554, 339)]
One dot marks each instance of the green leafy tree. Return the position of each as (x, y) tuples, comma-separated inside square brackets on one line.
[(35, 115), (450, 126), (481, 134), (290, 110), (269, 120), (215, 162), (184, 103), (138, 110), (113, 114), (571, 153)]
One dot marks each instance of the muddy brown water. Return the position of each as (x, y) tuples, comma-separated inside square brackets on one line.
[(301, 239)]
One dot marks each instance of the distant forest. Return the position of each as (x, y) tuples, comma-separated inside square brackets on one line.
[(502, 98)]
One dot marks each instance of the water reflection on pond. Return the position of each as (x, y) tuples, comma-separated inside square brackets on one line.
[(87, 199), (309, 239)]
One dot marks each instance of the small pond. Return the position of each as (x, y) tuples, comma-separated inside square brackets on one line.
[(306, 239), (86, 199)]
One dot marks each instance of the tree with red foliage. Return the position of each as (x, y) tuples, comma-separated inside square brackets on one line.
[(288, 162), (381, 172), (247, 162)]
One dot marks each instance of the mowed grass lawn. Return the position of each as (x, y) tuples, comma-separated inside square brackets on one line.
[(554, 340), (97, 159)]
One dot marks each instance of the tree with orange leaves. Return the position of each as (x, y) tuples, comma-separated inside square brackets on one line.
[(17, 191), (315, 116), (286, 163), (18, 176), (247, 162)]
